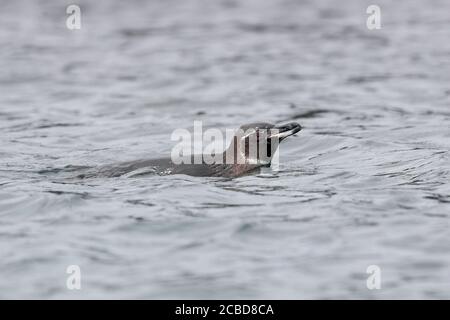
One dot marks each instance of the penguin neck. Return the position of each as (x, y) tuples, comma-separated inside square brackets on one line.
[(230, 157)]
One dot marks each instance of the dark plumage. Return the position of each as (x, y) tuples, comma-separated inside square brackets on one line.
[(242, 161)]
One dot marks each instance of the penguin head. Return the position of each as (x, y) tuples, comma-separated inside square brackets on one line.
[(256, 143)]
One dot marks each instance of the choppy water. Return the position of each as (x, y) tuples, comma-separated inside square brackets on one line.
[(365, 183)]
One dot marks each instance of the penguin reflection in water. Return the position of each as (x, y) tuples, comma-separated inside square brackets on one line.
[(252, 148)]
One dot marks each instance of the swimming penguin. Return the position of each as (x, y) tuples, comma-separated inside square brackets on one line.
[(253, 147)]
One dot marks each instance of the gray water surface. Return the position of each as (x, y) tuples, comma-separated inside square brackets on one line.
[(365, 183)]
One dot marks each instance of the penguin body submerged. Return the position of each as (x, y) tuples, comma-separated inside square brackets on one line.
[(237, 160)]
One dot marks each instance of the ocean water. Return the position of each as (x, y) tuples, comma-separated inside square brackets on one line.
[(365, 183)]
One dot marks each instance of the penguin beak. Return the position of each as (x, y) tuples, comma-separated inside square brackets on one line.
[(285, 130)]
